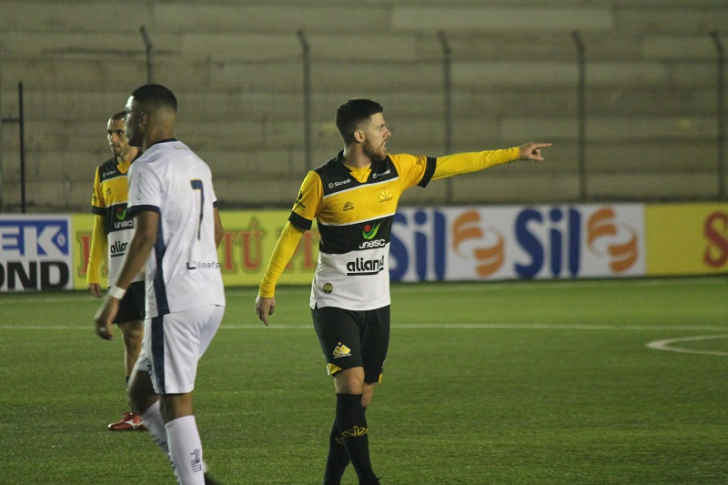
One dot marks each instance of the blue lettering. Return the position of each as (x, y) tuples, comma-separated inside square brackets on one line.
[(556, 240), (529, 243), (574, 242), (398, 257), (421, 247), (440, 245)]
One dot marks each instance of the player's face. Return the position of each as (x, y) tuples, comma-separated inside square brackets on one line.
[(116, 135), (376, 135), (134, 122)]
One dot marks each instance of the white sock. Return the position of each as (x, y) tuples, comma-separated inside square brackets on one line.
[(185, 450), (152, 417)]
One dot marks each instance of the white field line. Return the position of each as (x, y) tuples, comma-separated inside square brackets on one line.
[(425, 288), (419, 326), (667, 345)]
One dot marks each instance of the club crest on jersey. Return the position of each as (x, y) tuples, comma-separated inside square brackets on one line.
[(365, 267)]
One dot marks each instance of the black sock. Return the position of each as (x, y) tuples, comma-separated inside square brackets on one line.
[(352, 422), (338, 458)]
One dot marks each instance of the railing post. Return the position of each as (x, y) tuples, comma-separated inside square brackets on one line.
[(148, 47), (720, 103), (21, 120), (581, 113), (306, 99), (447, 93)]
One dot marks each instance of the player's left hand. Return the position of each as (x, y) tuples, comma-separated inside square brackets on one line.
[(532, 151), (264, 307), (105, 316)]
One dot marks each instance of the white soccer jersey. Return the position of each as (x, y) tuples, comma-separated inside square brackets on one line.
[(183, 271)]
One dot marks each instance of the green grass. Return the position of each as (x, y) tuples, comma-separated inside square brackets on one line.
[(498, 383)]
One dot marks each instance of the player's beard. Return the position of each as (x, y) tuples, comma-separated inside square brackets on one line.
[(375, 155)]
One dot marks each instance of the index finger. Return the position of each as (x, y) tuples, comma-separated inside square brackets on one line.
[(262, 313)]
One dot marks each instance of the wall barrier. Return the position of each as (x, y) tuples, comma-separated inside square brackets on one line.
[(50, 252)]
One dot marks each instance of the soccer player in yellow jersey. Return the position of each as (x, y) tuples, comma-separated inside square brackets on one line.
[(354, 198), (112, 232)]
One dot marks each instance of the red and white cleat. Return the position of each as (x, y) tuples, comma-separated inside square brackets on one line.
[(128, 422)]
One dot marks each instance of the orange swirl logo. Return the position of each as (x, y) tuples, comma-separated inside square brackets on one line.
[(489, 258), (622, 256)]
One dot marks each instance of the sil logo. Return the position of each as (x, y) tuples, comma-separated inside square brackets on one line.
[(601, 226), (489, 256), (370, 232)]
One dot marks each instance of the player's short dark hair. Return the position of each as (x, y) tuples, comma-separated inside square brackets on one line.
[(118, 116), (352, 113), (155, 96)]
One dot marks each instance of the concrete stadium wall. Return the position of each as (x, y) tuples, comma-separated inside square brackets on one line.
[(236, 67)]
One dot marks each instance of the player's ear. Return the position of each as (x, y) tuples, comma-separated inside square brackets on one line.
[(359, 136)]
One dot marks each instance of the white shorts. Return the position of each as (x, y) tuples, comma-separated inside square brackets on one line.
[(174, 343)]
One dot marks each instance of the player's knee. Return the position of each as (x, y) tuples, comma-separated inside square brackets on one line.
[(367, 394), (350, 381), (133, 339), (140, 392)]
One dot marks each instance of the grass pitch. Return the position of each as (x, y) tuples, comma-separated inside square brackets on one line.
[(497, 383)]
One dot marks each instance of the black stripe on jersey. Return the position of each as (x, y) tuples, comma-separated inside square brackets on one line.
[(355, 237), (336, 177), (160, 288), (429, 172), (118, 218), (109, 170), (157, 337), (300, 222), (133, 211)]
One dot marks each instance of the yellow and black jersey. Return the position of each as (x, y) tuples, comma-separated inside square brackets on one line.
[(114, 228), (354, 211)]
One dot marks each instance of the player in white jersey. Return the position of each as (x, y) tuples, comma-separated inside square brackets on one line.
[(178, 230)]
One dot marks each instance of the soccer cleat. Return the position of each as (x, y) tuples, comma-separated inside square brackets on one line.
[(128, 422)]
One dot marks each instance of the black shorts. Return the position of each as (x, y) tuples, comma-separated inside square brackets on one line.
[(131, 307), (353, 339)]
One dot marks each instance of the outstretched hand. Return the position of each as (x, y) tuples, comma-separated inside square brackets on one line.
[(532, 151), (264, 307)]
